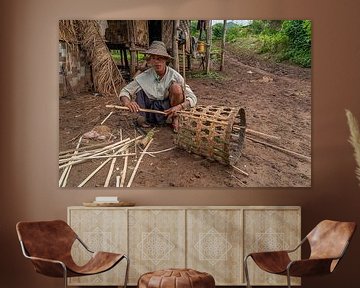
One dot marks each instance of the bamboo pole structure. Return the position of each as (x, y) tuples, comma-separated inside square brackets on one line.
[(132, 47), (184, 61), (223, 47), (208, 45), (175, 47)]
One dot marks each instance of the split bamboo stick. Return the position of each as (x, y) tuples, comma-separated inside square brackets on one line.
[(123, 173), (281, 149), (138, 163), (99, 168), (66, 172), (106, 117), (239, 170), (110, 172), (122, 145), (141, 109)]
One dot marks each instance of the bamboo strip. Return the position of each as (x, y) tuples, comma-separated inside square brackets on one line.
[(161, 151), (117, 181), (138, 163), (281, 149), (110, 172), (106, 117), (123, 173), (66, 172), (239, 170), (97, 154), (102, 150)]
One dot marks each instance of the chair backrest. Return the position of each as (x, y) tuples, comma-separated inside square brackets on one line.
[(46, 239), (329, 239)]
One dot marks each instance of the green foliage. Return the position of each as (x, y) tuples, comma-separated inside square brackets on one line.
[(299, 35), (275, 43), (285, 40), (281, 40), (217, 31)]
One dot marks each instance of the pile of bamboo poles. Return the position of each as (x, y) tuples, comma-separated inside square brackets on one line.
[(108, 152)]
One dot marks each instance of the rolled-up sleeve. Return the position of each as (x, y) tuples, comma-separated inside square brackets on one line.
[(190, 96), (130, 89)]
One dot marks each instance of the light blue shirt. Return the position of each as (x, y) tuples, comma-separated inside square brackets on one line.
[(156, 88)]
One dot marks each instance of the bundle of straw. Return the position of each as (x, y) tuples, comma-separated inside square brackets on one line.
[(107, 77), (354, 140), (68, 31)]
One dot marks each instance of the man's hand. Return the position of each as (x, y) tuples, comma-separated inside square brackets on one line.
[(171, 111), (132, 105)]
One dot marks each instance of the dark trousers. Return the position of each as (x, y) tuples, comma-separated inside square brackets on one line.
[(160, 105)]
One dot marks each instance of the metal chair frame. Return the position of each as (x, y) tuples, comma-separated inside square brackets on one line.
[(25, 253), (288, 276)]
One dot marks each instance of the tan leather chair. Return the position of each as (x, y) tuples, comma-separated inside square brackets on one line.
[(328, 242), (48, 245)]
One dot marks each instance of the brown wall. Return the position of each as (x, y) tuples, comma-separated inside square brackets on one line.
[(29, 119)]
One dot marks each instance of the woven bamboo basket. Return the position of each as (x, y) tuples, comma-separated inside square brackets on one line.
[(216, 132)]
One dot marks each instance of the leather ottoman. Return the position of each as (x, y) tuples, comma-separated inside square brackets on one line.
[(176, 278)]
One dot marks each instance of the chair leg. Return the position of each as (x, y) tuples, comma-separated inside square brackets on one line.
[(127, 271), (65, 275), (288, 278), (246, 272)]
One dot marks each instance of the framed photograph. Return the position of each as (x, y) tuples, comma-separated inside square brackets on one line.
[(185, 103)]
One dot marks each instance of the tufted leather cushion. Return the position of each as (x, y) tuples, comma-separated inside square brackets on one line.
[(176, 278)]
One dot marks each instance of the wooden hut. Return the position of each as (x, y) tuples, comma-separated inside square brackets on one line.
[(132, 37), (82, 51)]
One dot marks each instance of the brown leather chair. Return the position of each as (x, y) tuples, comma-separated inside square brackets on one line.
[(328, 242), (48, 245)]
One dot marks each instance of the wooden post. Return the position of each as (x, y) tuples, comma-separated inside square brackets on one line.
[(208, 45), (132, 47), (223, 47), (175, 48)]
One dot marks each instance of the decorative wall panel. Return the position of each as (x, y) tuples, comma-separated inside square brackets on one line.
[(156, 240), (270, 229), (100, 230)]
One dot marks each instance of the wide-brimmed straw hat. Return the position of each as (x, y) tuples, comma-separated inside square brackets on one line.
[(158, 48)]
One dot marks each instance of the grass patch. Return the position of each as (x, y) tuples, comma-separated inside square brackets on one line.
[(214, 75)]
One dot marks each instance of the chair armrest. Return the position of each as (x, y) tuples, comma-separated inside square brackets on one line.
[(309, 267), (84, 245)]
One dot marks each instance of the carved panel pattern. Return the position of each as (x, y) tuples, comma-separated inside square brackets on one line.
[(208, 239), (101, 230), (156, 241), (213, 243), (267, 230)]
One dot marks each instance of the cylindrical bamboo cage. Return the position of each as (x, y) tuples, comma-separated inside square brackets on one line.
[(216, 132)]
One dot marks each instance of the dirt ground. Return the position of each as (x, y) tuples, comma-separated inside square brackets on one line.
[(276, 99)]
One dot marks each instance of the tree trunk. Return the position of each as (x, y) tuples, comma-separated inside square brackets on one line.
[(208, 45)]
